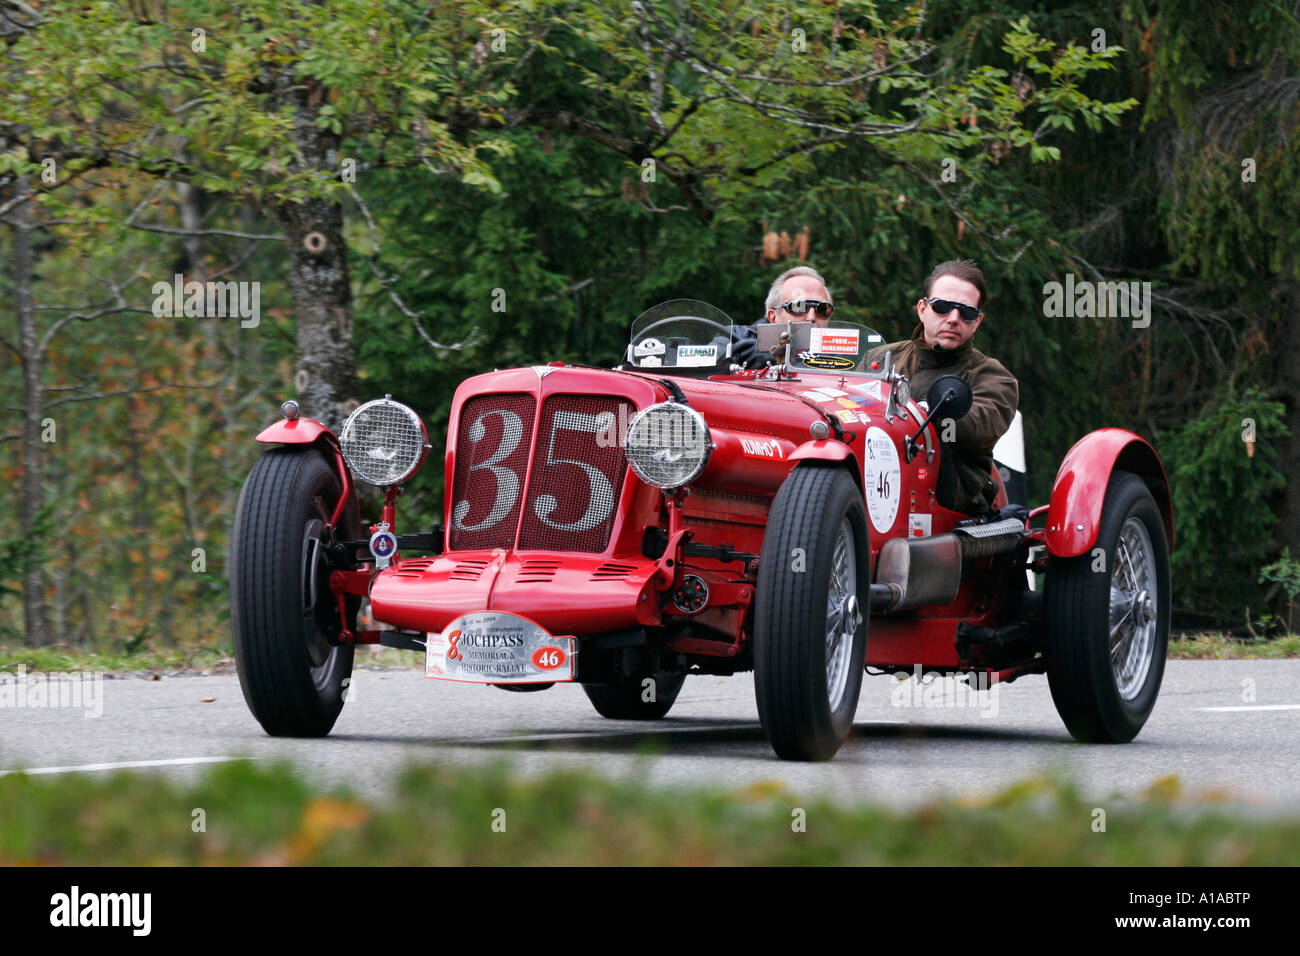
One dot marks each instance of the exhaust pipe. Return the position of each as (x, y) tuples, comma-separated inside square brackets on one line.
[(924, 572)]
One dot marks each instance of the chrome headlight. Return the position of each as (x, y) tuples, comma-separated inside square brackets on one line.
[(383, 442), (668, 444)]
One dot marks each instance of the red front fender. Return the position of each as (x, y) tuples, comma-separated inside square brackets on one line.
[(831, 451), (305, 431), (1074, 514), (826, 449), (300, 431)]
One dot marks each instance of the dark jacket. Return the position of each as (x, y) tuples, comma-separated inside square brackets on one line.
[(995, 396)]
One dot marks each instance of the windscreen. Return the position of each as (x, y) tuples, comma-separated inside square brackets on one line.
[(836, 347), (681, 334)]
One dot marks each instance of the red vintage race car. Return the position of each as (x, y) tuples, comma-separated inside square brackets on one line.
[(681, 515)]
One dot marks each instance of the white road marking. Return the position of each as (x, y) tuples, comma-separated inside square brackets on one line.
[(1255, 707), (125, 765)]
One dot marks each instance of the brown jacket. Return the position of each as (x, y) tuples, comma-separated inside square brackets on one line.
[(995, 395)]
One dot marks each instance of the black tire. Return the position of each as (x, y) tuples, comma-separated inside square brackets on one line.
[(792, 621), (1097, 704), (624, 701), (291, 669)]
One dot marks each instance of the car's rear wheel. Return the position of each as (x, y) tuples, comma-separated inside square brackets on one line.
[(810, 625), (636, 700), (284, 618), (1108, 619)]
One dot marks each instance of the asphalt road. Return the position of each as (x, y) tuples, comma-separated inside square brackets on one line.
[(1204, 729)]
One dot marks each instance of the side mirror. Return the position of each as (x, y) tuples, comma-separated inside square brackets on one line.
[(950, 393), (949, 397)]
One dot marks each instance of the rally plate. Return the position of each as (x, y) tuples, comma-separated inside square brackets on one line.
[(492, 647)]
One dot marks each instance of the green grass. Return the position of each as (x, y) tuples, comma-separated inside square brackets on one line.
[(61, 658), (1221, 647), (257, 814)]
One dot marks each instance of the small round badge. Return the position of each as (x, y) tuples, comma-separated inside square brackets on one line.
[(383, 544)]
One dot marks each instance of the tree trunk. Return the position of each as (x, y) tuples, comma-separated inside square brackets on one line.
[(89, 611), (326, 373), (1287, 352), (60, 571), (190, 202), (32, 491), (74, 582)]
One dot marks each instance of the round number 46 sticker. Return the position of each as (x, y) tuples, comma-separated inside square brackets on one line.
[(549, 658), (882, 476)]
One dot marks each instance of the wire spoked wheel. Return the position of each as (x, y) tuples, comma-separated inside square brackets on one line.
[(1132, 609), (842, 615), (810, 633), (1108, 619)]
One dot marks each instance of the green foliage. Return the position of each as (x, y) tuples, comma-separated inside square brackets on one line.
[(269, 815), (747, 95), (1223, 510), (19, 553), (1286, 572)]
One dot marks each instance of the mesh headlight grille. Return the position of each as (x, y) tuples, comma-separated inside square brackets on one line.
[(383, 442), (668, 444)]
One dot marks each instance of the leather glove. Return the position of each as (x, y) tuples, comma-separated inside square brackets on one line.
[(744, 348)]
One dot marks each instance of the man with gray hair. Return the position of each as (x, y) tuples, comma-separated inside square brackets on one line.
[(798, 292), (797, 295)]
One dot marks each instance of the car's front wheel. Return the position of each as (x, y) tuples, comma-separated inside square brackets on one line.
[(1108, 619), (284, 618), (810, 626)]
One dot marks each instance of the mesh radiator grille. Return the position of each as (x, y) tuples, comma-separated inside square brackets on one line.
[(491, 461), (577, 476)]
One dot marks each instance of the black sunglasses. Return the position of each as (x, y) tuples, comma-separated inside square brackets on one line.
[(801, 306), (968, 313)]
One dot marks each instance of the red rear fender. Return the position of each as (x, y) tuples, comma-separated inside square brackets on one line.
[(1074, 514)]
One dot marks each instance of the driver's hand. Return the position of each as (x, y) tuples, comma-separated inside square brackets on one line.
[(744, 348)]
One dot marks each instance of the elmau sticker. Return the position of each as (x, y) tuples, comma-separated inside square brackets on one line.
[(691, 356)]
